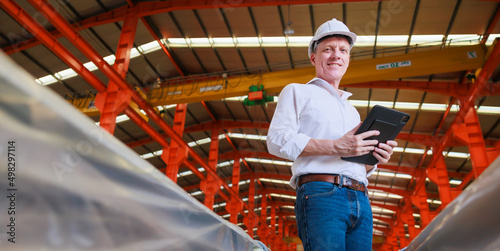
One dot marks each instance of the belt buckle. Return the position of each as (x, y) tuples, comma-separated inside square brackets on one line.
[(353, 184), (356, 186)]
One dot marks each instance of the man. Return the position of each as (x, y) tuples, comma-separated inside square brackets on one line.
[(314, 126)]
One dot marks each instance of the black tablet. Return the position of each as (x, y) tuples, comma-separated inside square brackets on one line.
[(388, 121)]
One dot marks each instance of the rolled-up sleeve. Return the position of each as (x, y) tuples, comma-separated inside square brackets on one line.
[(283, 138)]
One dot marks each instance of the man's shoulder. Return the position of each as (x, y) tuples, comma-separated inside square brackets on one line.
[(299, 86), (303, 90)]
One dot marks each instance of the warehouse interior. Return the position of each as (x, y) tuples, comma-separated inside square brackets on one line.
[(191, 87)]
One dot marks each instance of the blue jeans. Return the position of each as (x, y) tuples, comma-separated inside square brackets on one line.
[(330, 217)]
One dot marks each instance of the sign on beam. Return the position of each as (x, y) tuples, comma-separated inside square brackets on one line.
[(394, 65)]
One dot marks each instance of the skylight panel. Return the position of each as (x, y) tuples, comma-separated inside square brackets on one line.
[(223, 42), (426, 39), (247, 41), (274, 41), (392, 40), (177, 42)]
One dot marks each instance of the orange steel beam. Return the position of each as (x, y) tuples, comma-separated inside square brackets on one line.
[(407, 217), (445, 115), (477, 147), (61, 24), (468, 102), (165, 50), (208, 111), (273, 225), (176, 154), (113, 101), (153, 33), (144, 125), (419, 199), (221, 127), (155, 7), (491, 26), (69, 32), (25, 19), (397, 229), (235, 205), (54, 45), (32, 42), (212, 185), (280, 231), (262, 231), (143, 9), (492, 61), (249, 221), (439, 175)]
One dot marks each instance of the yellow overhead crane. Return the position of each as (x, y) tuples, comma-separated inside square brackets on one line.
[(450, 59)]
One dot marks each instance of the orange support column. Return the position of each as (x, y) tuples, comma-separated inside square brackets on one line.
[(403, 242), (420, 201), (392, 241), (273, 226), (263, 219), (176, 154), (114, 101), (280, 233), (211, 185), (250, 220), (439, 175), (235, 205), (477, 147), (407, 218)]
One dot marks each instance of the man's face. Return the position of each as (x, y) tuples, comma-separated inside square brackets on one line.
[(331, 59)]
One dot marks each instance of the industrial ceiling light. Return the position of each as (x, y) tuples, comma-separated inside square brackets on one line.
[(288, 30)]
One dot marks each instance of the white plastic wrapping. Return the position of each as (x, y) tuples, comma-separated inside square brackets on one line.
[(75, 187), (470, 222)]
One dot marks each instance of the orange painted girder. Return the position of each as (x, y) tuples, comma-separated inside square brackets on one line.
[(144, 9)]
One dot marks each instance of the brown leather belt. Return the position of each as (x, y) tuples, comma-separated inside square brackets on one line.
[(334, 179)]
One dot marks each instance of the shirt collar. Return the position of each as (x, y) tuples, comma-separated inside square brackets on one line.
[(329, 88)]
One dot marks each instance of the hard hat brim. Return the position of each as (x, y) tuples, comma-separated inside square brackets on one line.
[(349, 34)]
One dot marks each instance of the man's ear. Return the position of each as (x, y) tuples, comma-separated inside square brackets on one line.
[(313, 59)]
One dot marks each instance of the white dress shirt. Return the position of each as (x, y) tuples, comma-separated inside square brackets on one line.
[(314, 110)]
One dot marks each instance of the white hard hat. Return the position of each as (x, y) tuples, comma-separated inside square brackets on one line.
[(331, 27)]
